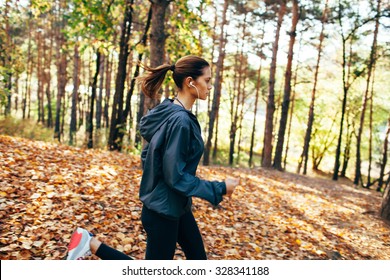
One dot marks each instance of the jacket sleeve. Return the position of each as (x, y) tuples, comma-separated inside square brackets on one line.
[(144, 154), (174, 165)]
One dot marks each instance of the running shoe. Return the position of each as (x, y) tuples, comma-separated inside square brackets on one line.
[(78, 247)]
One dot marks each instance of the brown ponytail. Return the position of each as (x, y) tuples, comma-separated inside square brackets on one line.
[(187, 66), (151, 82)]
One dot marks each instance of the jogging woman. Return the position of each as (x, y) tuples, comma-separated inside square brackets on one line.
[(170, 160)]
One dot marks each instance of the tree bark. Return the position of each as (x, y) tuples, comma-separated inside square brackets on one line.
[(41, 112), (213, 45), (61, 70), (291, 112), (365, 98), (258, 87), (117, 106), (157, 45), (99, 101), (347, 148), (73, 116), (241, 118), (371, 99), (29, 69), (385, 207), (217, 85), (8, 60), (269, 118), (215, 148), (384, 157), (130, 92), (305, 153), (47, 75), (287, 89), (108, 74), (93, 98), (240, 95), (346, 78), (344, 103), (141, 104)]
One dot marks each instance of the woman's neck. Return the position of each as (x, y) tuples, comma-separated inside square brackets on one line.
[(185, 100)]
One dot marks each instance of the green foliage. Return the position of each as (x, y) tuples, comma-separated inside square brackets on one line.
[(3, 91), (182, 40), (39, 7), (93, 22), (26, 129), (11, 55)]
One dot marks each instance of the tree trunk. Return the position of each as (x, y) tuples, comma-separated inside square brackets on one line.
[(344, 103), (29, 68), (258, 87), (47, 57), (347, 72), (217, 86), (347, 149), (141, 104), (241, 118), (73, 116), (287, 89), (213, 45), (305, 153), (209, 107), (41, 112), (93, 98), (269, 118), (371, 99), (29, 89), (61, 70), (7, 60), (117, 106), (99, 101), (157, 45), (130, 92), (215, 148), (385, 208), (384, 157), (291, 112), (232, 97), (365, 98), (65, 107), (108, 74), (16, 90), (240, 94)]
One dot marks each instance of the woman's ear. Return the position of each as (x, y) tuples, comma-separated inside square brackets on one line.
[(188, 81)]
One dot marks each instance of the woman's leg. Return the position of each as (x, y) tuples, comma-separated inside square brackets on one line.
[(161, 235), (82, 244), (190, 239), (105, 252)]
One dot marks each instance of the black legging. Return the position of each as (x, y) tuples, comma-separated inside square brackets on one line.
[(105, 252), (162, 237)]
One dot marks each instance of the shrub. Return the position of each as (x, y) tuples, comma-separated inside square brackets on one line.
[(26, 129)]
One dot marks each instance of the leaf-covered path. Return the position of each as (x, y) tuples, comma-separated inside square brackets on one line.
[(46, 190)]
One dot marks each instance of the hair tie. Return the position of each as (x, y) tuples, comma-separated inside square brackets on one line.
[(172, 67)]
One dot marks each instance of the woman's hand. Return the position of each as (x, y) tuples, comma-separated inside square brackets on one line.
[(231, 184)]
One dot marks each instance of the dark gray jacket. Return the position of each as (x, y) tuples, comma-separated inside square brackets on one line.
[(170, 159)]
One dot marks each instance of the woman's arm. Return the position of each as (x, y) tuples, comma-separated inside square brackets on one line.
[(174, 163)]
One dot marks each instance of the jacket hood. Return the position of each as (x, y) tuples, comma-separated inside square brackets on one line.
[(156, 117)]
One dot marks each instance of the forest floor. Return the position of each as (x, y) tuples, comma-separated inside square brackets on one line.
[(46, 190)]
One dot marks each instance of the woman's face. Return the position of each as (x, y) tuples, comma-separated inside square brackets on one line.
[(203, 84)]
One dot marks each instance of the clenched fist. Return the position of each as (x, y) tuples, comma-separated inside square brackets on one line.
[(231, 184)]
